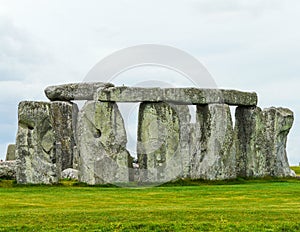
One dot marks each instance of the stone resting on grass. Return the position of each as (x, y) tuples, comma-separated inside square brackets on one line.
[(8, 169), (55, 136)]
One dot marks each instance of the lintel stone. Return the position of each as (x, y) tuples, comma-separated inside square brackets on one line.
[(187, 96), (74, 91)]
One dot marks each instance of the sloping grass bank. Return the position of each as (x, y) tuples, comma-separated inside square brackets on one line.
[(296, 170), (250, 206)]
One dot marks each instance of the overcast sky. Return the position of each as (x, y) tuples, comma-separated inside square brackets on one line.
[(245, 44)]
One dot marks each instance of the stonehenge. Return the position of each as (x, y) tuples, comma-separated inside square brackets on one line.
[(56, 138)]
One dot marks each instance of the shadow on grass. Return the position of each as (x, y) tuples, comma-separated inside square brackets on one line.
[(236, 181), (179, 182)]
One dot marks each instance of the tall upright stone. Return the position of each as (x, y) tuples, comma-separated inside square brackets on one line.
[(35, 145), (278, 123), (63, 117), (11, 152), (45, 141), (250, 142), (101, 141), (261, 138), (184, 116), (195, 150), (213, 151), (159, 141)]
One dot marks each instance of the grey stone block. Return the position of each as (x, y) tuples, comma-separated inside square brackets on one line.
[(177, 95), (74, 91)]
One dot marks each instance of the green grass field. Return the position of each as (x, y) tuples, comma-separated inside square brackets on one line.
[(257, 205)]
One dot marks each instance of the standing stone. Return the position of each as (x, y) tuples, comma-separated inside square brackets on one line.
[(261, 141), (64, 119), (195, 149), (11, 152), (213, 153), (101, 143), (159, 145), (45, 141), (35, 144), (250, 142), (184, 135), (278, 123)]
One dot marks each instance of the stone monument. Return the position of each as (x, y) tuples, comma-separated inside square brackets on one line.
[(56, 137)]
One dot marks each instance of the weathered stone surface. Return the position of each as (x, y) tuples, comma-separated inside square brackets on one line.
[(75, 157), (162, 155), (45, 141), (261, 141), (250, 138), (195, 149), (74, 91), (177, 95), (35, 142), (63, 117), (213, 151), (185, 130), (278, 123), (11, 152), (70, 173), (8, 170), (101, 143)]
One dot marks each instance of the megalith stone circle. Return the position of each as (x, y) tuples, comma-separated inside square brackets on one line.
[(56, 136)]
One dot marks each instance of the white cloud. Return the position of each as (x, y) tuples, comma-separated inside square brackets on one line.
[(221, 7), (18, 52)]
